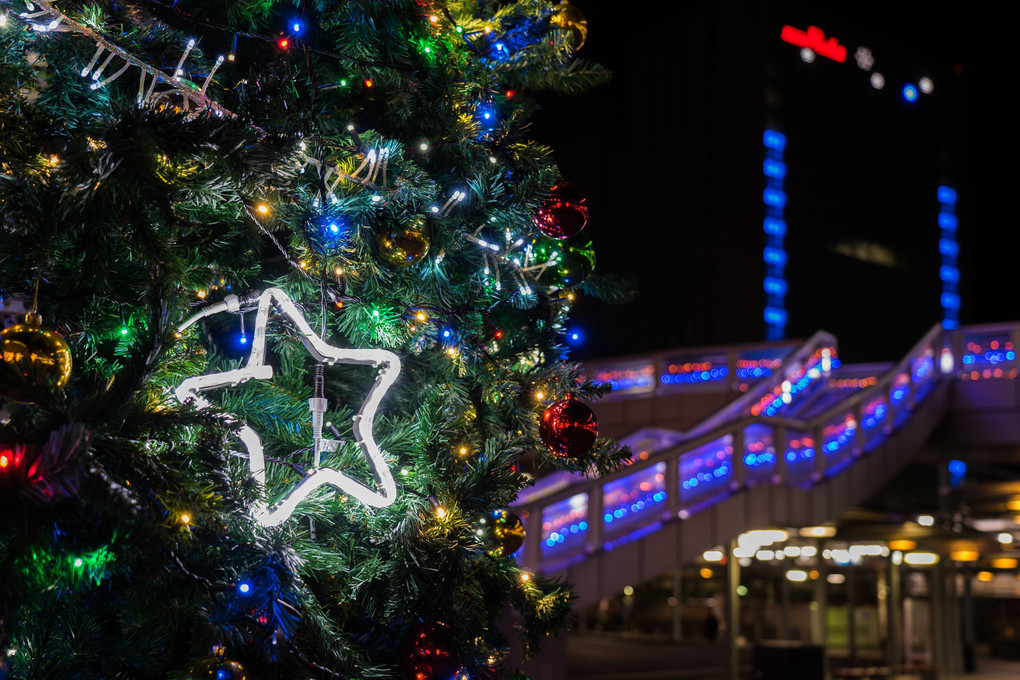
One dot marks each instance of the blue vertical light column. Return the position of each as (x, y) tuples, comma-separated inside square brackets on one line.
[(774, 255), (949, 272)]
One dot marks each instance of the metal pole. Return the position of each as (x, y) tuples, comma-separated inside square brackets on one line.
[(678, 633), (785, 594), (851, 613), (969, 659), (732, 614), (937, 577), (895, 606)]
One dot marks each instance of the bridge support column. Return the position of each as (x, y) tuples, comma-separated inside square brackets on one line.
[(937, 577), (732, 614), (820, 600), (894, 604), (678, 631)]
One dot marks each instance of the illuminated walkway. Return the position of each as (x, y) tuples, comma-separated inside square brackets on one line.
[(795, 439)]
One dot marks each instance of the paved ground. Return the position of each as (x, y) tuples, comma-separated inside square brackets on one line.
[(613, 658)]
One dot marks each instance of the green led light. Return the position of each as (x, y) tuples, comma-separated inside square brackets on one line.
[(124, 330), (343, 83), (460, 29), (78, 562), (428, 50)]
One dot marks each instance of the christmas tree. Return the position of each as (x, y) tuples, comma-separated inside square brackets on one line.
[(293, 282)]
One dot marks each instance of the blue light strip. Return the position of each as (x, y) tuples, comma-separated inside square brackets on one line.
[(949, 272), (774, 255)]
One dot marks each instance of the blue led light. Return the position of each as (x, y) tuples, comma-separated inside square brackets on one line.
[(774, 140), (575, 337), (775, 286), (949, 274), (774, 256), (297, 27), (948, 221), (775, 227), (244, 587), (947, 195), (909, 93), (948, 247), (774, 168), (775, 316), (243, 340), (774, 197), (950, 301)]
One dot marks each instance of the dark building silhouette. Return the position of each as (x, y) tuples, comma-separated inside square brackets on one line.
[(731, 240)]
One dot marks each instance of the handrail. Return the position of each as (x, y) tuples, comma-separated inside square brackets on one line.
[(740, 472), (732, 427)]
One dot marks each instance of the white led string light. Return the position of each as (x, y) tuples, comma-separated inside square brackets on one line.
[(256, 369)]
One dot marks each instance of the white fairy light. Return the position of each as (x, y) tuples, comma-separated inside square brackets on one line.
[(257, 369)]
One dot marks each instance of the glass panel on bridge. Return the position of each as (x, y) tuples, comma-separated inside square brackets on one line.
[(634, 500), (627, 378), (800, 454), (756, 364), (759, 453), (694, 371), (873, 415), (706, 470), (837, 441), (564, 526), (988, 356)]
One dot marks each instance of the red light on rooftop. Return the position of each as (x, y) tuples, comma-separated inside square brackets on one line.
[(814, 39)]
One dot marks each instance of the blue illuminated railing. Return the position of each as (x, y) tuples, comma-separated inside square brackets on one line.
[(661, 486)]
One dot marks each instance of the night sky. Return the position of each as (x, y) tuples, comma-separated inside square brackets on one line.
[(605, 141)]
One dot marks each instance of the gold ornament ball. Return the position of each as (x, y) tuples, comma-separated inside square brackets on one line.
[(506, 533), (567, 17), (404, 246), (34, 360), (216, 667)]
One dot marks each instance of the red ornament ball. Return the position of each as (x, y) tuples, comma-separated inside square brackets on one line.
[(564, 214), (428, 653), (568, 428)]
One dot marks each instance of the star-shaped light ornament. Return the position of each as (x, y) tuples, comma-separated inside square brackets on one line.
[(256, 369)]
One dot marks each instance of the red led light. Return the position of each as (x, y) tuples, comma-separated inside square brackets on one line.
[(283, 43), (814, 39), (368, 82), (510, 93), (498, 334), (4, 461)]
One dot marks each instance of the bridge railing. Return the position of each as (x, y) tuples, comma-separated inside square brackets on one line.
[(592, 515)]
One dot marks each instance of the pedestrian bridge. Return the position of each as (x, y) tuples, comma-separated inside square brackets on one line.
[(731, 439)]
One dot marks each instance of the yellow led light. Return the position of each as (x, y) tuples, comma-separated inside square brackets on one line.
[(440, 512), (452, 351), (303, 264), (540, 395), (185, 519), (1014, 504), (339, 271), (421, 316), (262, 208), (202, 294), (964, 556), (705, 572), (525, 576), (433, 18), (1004, 563), (54, 159), (463, 451), (985, 576)]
